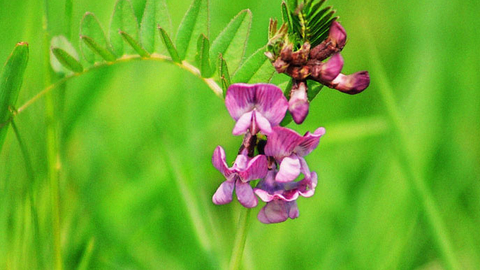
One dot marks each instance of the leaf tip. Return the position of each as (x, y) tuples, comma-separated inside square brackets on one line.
[(22, 43)]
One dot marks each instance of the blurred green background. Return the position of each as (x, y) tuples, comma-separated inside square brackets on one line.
[(136, 176)]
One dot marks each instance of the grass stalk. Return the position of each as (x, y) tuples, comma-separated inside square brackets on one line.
[(240, 239), (406, 157), (52, 146)]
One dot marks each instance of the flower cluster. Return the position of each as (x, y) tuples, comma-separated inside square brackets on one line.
[(271, 153), (308, 63)]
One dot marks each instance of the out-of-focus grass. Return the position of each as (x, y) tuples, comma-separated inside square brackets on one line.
[(136, 181)]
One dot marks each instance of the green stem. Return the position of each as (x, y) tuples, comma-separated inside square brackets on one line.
[(240, 239), (52, 147), (406, 158), (26, 156)]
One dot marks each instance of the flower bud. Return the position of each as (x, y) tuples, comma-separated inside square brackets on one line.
[(300, 57), (337, 35), (351, 84), (280, 65), (298, 105), (325, 72), (298, 73), (286, 53)]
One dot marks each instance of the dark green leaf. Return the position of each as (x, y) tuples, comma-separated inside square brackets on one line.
[(194, 23), (203, 56), (123, 19), (67, 60), (90, 27), (11, 79), (232, 41), (169, 45), (134, 44), (256, 69), (156, 13), (100, 51), (62, 43)]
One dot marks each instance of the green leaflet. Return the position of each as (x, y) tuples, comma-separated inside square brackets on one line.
[(256, 69), (90, 27), (194, 23), (232, 41), (203, 56), (169, 45), (96, 48), (11, 79), (223, 74), (155, 14), (313, 89), (134, 44), (67, 60), (60, 42), (123, 19)]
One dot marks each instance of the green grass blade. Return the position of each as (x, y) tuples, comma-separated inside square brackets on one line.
[(90, 27), (256, 69), (194, 23), (99, 50), (203, 56), (87, 255), (134, 44), (155, 13), (123, 19), (169, 45), (11, 79), (67, 60), (232, 41), (62, 43)]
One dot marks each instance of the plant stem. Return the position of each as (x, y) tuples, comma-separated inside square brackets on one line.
[(406, 158), (240, 239), (52, 146)]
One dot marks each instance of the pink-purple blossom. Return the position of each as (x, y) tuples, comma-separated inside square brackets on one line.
[(244, 170), (256, 107)]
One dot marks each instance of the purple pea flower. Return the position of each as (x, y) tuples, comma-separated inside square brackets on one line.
[(281, 197), (257, 107), (238, 176), (288, 148)]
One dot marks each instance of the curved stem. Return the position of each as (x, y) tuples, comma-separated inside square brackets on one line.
[(154, 57), (240, 239)]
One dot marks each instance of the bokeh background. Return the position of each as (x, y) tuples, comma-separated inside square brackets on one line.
[(136, 175)]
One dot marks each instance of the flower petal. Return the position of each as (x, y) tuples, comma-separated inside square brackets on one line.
[(240, 99), (282, 142), (224, 192), (256, 168), (262, 123), (309, 142), (245, 194), (273, 212), (351, 84), (271, 103), (264, 195), (218, 160), (289, 169), (292, 209), (338, 35), (243, 124), (298, 104), (307, 186)]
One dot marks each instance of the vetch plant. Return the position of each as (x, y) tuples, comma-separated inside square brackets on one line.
[(306, 47)]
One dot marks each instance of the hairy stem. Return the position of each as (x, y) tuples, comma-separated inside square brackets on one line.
[(240, 239)]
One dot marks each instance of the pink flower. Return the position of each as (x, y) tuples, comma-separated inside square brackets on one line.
[(238, 176), (257, 107), (288, 148)]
